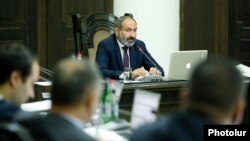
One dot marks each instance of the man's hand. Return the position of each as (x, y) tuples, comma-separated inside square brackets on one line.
[(154, 71), (138, 72)]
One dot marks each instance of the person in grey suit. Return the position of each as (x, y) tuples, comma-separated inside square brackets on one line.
[(19, 70), (75, 94), (215, 95)]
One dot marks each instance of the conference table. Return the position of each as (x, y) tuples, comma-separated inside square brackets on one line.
[(169, 91)]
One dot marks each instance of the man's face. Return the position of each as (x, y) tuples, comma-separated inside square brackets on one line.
[(127, 33), (25, 89)]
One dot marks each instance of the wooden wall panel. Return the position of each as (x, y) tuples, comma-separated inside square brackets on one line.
[(204, 26), (59, 24), (45, 26), (239, 30), (17, 22), (221, 28)]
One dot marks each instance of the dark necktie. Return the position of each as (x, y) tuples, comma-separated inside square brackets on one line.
[(125, 57)]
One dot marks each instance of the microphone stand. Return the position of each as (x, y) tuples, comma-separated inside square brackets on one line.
[(47, 72), (148, 58), (152, 79)]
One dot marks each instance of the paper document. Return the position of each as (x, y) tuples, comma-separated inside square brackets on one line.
[(44, 105), (43, 83), (103, 134), (245, 70)]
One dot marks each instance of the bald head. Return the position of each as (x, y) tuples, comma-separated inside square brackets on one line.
[(72, 81)]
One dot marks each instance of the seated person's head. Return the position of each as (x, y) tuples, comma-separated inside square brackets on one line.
[(217, 89), (76, 88), (126, 29), (19, 70)]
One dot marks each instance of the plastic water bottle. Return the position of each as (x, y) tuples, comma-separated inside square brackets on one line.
[(115, 102), (107, 100), (110, 107)]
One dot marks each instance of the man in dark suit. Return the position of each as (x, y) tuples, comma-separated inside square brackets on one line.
[(110, 52), (216, 95), (75, 93), (19, 70)]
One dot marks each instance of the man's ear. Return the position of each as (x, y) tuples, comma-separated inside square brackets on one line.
[(116, 31), (14, 79), (90, 101), (239, 111)]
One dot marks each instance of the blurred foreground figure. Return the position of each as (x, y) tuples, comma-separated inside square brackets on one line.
[(19, 70), (75, 95), (215, 95)]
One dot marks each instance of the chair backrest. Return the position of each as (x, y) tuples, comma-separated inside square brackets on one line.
[(14, 132), (97, 27)]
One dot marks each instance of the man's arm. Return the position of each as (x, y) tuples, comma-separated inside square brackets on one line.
[(148, 64), (103, 60)]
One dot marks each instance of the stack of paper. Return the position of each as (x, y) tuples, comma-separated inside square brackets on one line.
[(245, 70)]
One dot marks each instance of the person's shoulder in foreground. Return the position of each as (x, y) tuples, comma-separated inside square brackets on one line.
[(183, 126), (74, 96), (55, 127), (215, 95)]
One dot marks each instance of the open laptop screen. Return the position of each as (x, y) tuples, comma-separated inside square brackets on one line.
[(182, 63)]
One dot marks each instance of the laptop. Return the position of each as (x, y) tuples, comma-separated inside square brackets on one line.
[(144, 110), (145, 107), (182, 63)]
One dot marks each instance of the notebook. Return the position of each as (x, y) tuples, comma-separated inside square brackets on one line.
[(182, 63)]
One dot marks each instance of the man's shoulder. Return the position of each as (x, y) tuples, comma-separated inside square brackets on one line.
[(168, 127), (25, 115), (110, 38), (54, 127), (8, 110), (138, 41), (151, 131)]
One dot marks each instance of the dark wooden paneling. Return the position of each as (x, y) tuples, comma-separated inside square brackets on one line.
[(204, 26), (55, 34), (46, 26), (221, 28), (239, 30), (18, 22), (42, 32), (59, 24)]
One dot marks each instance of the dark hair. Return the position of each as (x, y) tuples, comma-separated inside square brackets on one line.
[(15, 57), (216, 83), (119, 21), (72, 80)]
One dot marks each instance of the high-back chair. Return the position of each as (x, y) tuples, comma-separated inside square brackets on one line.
[(98, 26)]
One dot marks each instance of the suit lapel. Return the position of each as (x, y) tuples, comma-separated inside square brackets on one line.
[(118, 56), (132, 57)]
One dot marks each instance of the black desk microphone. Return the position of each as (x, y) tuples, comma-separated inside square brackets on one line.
[(152, 78), (139, 49)]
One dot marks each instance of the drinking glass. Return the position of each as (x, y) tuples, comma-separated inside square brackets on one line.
[(127, 74)]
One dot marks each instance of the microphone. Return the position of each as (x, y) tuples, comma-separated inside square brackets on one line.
[(153, 78), (139, 49)]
